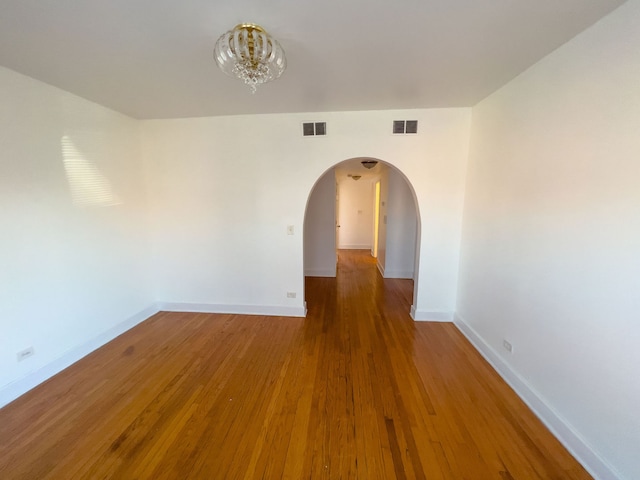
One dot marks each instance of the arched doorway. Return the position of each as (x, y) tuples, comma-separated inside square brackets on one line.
[(354, 207)]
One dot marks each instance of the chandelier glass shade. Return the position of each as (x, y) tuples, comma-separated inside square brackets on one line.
[(249, 53), (369, 164)]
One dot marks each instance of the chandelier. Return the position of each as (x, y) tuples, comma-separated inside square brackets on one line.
[(250, 54)]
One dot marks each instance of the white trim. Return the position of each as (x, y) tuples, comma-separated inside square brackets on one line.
[(356, 246), (320, 272), (380, 268), (270, 310), (430, 316), (408, 274), (563, 431), (13, 390)]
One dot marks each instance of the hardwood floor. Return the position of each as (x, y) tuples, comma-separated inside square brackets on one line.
[(355, 390)]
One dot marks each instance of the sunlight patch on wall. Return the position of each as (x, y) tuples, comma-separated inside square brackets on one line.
[(89, 187)]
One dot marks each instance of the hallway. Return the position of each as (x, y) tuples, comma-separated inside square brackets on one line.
[(355, 390)]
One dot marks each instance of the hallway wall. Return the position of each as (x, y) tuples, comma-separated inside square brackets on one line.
[(320, 229), (401, 228)]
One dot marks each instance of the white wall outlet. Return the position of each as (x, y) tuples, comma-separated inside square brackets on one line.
[(291, 294), (26, 353), (289, 229), (507, 346)]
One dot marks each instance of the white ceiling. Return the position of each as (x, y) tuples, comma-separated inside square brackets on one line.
[(154, 58)]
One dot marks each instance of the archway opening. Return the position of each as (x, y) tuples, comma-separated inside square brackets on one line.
[(351, 207)]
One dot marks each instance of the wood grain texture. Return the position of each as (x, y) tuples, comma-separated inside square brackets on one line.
[(355, 390)]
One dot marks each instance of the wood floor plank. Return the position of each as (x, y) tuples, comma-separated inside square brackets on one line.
[(357, 390)]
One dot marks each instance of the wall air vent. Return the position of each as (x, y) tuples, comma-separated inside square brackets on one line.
[(403, 127), (314, 129)]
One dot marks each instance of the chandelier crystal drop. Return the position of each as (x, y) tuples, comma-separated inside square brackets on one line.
[(249, 53)]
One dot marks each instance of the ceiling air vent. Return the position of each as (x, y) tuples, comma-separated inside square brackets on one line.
[(402, 127), (314, 129)]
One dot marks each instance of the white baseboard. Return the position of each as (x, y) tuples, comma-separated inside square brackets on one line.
[(320, 272), (270, 310), (430, 316), (563, 431), (355, 246), (398, 274), (380, 268), (21, 386)]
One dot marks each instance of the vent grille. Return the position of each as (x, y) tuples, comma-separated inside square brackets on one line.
[(405, 127), (314, 129)]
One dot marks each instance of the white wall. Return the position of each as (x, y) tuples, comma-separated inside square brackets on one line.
[(73, 247), (401, 228), (320, 229), (551, 240), (355, 213), (224, 190), (381, 259)]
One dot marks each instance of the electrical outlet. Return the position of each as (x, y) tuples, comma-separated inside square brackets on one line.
[(26, 353), (291, 294), (507, 346), (289, 229)]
